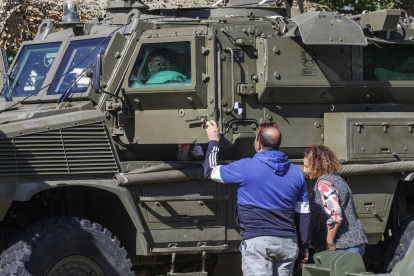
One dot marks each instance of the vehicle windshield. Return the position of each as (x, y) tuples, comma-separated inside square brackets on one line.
[(31, 68), (76, 52)]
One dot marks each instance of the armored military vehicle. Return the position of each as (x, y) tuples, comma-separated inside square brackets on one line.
[(92, 118)]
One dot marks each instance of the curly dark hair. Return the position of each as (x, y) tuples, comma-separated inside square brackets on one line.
[(322, 160)]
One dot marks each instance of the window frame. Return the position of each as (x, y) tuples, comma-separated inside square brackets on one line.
[(175, 88), (82, 95), (52, 70)]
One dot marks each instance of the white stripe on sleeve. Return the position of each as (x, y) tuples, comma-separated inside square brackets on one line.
[(215, 175), (302, 207)]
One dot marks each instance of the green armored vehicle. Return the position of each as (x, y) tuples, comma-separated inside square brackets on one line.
[(92, 118)]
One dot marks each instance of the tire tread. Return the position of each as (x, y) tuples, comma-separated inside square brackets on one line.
[(13, 259)]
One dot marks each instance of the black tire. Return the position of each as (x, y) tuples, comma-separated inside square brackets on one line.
[(45, 244), (395, 249)]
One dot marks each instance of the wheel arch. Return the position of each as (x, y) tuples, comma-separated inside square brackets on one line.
[(106, 196)]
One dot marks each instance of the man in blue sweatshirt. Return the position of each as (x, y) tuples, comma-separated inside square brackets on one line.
[(272, 203)]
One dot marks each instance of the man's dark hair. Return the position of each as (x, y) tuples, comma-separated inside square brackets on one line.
[(268, 140)]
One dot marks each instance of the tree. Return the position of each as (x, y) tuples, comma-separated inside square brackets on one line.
[(359, 6)]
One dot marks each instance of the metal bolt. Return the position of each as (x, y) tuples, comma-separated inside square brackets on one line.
[(405, 148), (211, 100), (251, 30), (136, 101), (262, 120), (194, 140), (117, 55), (317, 125), (223, 103), (47, 127), (276, 50), (276, 74), (269, 117), (278, 107), (107, 115), (181, 112), (190, 99), (212, 113), (158, 204), (225, 122), (253, 126), (363, 149)]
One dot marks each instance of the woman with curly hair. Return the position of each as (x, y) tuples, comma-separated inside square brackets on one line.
[(333, 213)]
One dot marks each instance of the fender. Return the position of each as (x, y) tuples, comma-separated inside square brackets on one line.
[(26, 189)]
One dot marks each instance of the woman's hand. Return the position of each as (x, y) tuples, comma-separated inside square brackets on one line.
[(328, 247)]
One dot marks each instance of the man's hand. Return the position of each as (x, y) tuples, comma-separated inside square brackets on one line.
[(304, 260), (212, 130)]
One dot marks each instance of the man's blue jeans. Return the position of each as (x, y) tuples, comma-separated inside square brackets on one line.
[(358, 249)]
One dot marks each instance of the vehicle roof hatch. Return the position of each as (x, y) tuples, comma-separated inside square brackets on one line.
[(329, 28)]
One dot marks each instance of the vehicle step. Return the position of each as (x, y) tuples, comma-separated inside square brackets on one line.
[(188, 274), (189, 249), (183, 198)]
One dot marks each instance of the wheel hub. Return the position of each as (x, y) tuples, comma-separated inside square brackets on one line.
[(76, 266)]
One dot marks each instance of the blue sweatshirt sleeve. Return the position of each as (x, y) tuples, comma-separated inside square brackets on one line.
[(229, 174), (302, 218)]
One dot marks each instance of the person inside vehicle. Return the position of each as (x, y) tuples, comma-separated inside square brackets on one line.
[(160, 69)]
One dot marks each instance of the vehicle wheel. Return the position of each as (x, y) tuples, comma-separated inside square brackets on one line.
[(65, 246), (395, 249)]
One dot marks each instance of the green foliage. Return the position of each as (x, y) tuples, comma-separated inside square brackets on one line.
[(12, 54), (361, 5)]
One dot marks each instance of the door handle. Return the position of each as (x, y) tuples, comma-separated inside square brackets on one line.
[(200, 119)]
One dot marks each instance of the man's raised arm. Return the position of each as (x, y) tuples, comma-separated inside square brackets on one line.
[(232, 173)]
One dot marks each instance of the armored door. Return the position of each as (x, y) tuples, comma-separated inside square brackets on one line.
[(170, 85)]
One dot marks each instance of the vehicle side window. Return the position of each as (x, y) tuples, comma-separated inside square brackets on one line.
[(162, 64), (388, 63)]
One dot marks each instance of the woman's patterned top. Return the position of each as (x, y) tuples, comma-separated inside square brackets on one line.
[(350, 232), (330, 201)]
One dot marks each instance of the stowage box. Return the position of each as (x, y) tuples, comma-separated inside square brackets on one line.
[(370, 136)]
